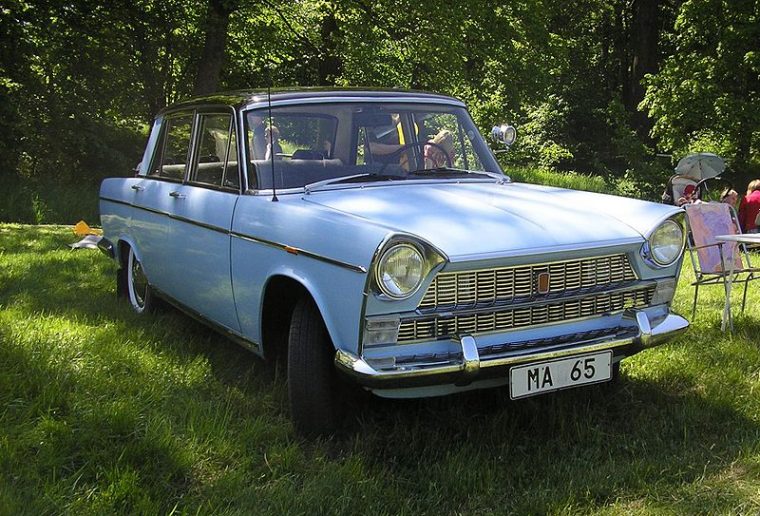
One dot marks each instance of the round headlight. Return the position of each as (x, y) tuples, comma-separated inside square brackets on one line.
[(666, 243), (399, 271)]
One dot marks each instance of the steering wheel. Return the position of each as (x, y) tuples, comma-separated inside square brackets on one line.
[(408, 146)]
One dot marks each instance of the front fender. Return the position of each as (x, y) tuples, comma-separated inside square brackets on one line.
[(337, 297), (337, 291)]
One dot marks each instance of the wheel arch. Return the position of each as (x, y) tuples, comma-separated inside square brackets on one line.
[(281, 293), (123, 245)]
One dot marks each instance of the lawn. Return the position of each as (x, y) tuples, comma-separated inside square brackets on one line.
[(104, 411)]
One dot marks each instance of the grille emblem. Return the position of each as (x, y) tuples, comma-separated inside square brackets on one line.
[(542, 282)]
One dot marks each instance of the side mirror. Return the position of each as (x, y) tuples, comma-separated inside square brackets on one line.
[(504, 134)]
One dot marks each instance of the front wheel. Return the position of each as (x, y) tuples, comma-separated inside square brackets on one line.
[(313, 386), (138, 290)]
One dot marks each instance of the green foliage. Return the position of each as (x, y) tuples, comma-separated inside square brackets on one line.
[(707, 94), (538, 138), (80, 80), (108, 412)]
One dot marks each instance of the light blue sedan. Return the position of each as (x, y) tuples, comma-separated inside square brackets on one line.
[(372, 239)]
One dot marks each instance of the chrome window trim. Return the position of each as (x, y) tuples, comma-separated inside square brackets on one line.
[(348, 99), (210, 111), (346, 186), (167, 118)]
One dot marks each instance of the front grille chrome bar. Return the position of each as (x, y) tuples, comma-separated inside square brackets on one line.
[(448, 325), (456, 290)]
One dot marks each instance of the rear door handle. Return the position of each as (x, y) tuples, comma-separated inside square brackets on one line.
[(138, 188), (177, 195)]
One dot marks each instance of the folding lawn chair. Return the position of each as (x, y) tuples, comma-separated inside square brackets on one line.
[(717, 262)]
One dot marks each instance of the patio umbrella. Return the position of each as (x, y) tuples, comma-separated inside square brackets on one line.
[(704, 165)]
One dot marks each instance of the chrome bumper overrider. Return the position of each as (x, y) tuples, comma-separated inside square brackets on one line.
[(107, 248), (469, 366)]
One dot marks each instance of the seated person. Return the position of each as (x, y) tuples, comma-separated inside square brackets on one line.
[(442, 153), (385, 140), (258, 142), (729, 196), (272, 139), (690, 196)]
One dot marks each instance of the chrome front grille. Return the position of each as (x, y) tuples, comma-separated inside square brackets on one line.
[(448, 326), (510, 284)]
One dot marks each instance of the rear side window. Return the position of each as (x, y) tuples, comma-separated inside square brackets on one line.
[(172, 161)]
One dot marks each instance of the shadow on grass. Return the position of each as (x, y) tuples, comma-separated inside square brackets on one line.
[(596, 444)]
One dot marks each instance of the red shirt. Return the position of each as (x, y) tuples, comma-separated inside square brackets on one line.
[(748, 210)]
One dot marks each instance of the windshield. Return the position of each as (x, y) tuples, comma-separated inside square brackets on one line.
[(310, 143)]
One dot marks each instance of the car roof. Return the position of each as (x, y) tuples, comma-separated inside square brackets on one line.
[(242, 98)]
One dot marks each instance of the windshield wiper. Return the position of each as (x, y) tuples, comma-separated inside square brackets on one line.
[(356, 178), (450, 171)]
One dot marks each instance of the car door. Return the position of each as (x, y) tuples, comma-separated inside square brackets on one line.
[(202, 209), (152, 223)]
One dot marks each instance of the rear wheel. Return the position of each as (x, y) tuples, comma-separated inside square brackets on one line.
[(313, 386), (140, 295)]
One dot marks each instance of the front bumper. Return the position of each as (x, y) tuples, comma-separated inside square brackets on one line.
[(468, 366)]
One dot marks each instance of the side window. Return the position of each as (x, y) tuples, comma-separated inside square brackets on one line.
[(216, 159), (171, 163)]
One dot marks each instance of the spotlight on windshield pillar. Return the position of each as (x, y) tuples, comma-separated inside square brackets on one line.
[(504, 134)]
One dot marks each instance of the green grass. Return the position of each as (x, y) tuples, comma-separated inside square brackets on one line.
[(103, 411), (48, 202), (573, 180)]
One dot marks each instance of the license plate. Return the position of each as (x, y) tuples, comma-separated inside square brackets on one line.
[(563, 373)]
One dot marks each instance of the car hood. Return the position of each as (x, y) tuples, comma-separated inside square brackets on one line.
[(480, 220)]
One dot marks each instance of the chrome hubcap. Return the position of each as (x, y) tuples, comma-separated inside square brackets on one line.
[(139, 283)]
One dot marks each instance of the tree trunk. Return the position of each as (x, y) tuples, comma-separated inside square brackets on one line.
[(329, 65), (644, 35), (212, 59)]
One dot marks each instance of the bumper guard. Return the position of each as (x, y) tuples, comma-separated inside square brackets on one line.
[(470, 366)]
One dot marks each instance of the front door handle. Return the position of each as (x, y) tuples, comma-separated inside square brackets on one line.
[(177, 195), (138, 188)]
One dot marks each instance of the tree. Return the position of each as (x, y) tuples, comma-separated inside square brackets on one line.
[(707, 94), (214, 47)]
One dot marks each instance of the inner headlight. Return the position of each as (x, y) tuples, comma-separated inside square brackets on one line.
[(400, 270), (666, 243)]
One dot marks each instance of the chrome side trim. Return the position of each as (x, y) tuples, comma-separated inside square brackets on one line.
[(235, 337), (299, 251), (283, 247), (468, 366)]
